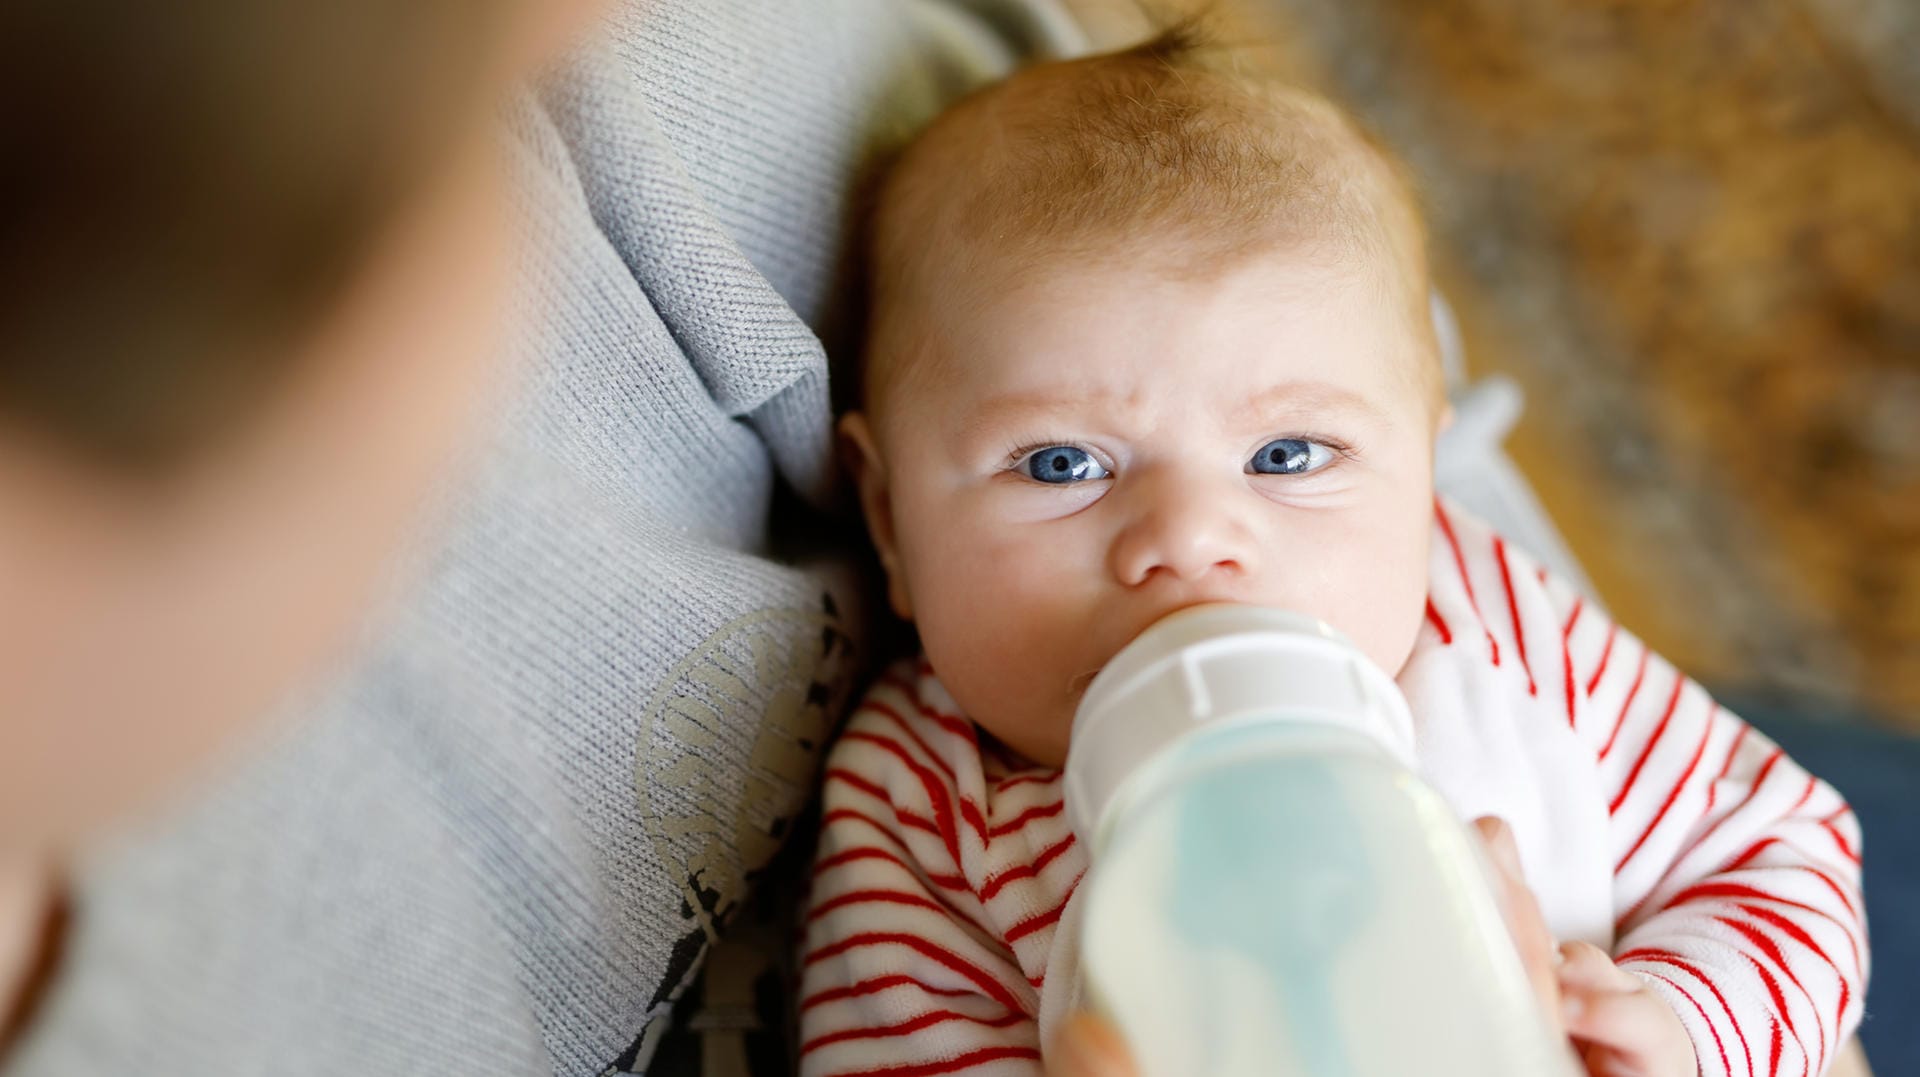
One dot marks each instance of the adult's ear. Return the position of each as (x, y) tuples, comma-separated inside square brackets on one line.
[(861, 454)]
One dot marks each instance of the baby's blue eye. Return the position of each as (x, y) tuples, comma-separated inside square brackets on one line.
[(1062, 464), (1290, 456)]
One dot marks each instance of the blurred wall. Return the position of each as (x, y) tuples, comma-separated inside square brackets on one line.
[(1691, 230)]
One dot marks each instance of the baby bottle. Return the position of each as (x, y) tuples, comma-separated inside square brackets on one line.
[(1273, 890)]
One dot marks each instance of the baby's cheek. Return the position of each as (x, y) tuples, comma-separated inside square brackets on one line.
[(1367, 580), (1007, 636), (962, 590), (1391, 642), (1392, 609)]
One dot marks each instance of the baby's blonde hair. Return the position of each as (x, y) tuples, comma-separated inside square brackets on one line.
[(1164, 153)]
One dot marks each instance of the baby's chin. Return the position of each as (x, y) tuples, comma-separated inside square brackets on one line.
[(1052, 756), (1024, 706), (1035, 740)]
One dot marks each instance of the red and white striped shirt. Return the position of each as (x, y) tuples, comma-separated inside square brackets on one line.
[(1651, 822)]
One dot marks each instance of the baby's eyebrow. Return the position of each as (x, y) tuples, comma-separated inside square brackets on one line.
[(1305, 396), (1286, 398), (1019, 408)]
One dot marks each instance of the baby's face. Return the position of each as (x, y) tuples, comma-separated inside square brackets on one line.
[(1090, 450)]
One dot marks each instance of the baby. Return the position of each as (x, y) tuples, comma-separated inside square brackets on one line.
[(1148, 333)]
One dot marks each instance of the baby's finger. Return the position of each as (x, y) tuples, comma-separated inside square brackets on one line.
[(1626, 1021), (1089, 1047), (1584, 966), (1522, 913), (1627, 1032)]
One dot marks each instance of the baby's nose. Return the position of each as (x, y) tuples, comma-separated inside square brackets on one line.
[(1184, 530)]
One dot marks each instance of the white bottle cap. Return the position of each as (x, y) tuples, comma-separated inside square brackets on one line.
[(1214, 663)]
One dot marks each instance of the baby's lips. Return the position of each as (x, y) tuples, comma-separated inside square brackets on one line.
[(1077, 686)]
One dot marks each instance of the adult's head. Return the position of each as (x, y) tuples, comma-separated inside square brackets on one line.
[(248, 275)]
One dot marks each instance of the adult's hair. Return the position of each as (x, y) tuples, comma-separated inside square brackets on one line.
[(186, 186)]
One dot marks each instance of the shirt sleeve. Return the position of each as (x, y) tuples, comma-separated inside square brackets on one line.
[(1736, 872), (898, 975)]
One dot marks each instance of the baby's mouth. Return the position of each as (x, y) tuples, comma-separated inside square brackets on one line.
[(1077, 687)]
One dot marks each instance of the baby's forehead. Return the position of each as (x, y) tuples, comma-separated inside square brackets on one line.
[(1045, 168), (1113, 335), (1104, 143)]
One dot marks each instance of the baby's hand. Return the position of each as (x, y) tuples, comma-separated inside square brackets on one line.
[(1616, 1024), (1525, 923), (1621, 1028)]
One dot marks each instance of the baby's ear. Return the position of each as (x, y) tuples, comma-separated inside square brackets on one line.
[(861, 455)]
